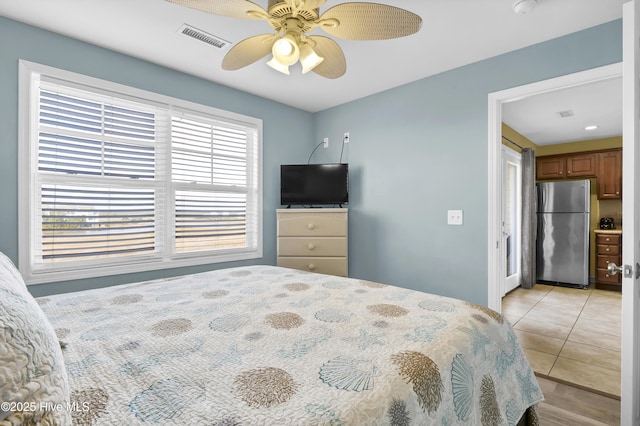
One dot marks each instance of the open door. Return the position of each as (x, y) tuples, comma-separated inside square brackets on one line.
[(630, 383)]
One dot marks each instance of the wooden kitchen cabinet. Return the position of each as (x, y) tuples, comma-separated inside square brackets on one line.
[(551, 167), (605, 166), (608, 250), (581, 165), (609, 165), (566, 166)]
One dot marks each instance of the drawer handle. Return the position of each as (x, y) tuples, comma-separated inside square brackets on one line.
[(608, 249), (311, 226), (311, 246), (312, 266), (608, 239)]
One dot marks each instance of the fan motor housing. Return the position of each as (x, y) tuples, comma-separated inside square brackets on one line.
[(280, 11)]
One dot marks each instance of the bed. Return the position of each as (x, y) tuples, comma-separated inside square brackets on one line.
[(259, 345)]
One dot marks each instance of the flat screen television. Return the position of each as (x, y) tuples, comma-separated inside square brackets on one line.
[(311, 184)]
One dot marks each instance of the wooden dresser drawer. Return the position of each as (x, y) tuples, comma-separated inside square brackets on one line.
[(314, 240), (603, 261), (609, 250), (608, 239), (603, 276), (312, 246), (322, 265), (312, 224)]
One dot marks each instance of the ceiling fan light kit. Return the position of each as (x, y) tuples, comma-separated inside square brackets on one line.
[(292, 19), (309, 59), (286, 51), (276, 65), (292, 47)]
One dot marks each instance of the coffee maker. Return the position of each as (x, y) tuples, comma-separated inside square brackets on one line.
[(607, 223)]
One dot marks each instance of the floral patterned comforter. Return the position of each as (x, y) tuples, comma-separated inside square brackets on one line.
[(263, 345)]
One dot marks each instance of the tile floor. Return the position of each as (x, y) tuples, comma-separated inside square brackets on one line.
[(570, 335)]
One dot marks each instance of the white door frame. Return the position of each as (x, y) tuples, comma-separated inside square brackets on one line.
[(630, 379), (494, 141)]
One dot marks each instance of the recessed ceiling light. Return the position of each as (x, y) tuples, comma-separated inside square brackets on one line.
[(593, 127)]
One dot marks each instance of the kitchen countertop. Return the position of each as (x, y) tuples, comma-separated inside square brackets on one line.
[(608, 231)]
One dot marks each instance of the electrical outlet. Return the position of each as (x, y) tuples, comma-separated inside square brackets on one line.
[(346, 137), (326, 142), (454, 217)]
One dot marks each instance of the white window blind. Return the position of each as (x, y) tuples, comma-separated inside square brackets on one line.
[(124, 180), (212, 155)]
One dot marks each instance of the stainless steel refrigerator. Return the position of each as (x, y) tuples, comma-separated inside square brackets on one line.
[(562, 242)]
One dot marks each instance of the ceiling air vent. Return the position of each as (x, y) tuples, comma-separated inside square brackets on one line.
[(565, 114), (203, 36)]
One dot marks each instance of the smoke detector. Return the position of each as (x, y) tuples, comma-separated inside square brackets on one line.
[(522, 7)]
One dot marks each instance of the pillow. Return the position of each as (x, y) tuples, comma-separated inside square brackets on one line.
[(34, 387)]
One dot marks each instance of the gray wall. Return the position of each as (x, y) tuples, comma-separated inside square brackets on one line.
[(287, 133), (415, 152), (421, 149)]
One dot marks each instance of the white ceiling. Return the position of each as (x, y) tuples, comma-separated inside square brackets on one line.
[(538, 117), (453, 33)]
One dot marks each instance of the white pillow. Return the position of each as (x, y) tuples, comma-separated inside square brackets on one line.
[(34, 386)]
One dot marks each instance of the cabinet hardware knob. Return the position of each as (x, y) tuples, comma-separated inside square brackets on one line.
[(312, 266), (311, 246), (617, 192), (608, 239), (311, 226), (608, 249)]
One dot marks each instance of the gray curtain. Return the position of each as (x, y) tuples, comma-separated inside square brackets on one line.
[(529, 222)]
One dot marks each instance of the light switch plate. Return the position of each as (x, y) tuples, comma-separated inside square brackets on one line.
[(454, 217)]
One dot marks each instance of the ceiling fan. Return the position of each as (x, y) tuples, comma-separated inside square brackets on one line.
[(292, 19)]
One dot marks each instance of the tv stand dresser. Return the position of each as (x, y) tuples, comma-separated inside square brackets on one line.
[(314, 240)]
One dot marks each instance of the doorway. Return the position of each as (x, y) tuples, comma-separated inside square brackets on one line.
[(498, 263), (496, 259)]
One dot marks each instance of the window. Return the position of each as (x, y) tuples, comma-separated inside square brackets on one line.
[(116, 180)]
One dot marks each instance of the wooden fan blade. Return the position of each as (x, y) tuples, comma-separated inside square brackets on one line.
[(248, 51), (334, 64), (369, 21), (243, 9)]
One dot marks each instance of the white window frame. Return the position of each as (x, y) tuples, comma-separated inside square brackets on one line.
[(38, 273)]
